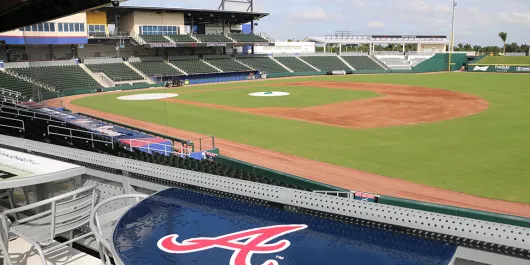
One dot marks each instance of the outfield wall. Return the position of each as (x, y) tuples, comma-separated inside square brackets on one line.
[(497, 68)]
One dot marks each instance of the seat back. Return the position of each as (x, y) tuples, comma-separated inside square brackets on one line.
[(72, 210)]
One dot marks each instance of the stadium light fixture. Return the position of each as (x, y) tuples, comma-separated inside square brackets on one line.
[(452, 42)]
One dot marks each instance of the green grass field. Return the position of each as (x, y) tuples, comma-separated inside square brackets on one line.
[(486, 154), (300, 97), (505, 60)]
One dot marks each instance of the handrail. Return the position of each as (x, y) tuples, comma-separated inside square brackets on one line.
[(171, 147), (83, 138), (23, 128), (51, 118)]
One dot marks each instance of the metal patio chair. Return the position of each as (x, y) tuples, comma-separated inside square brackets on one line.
[(102, 225), (66, 213)]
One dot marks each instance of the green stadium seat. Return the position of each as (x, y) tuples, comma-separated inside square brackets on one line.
[(181, 38), (265, 64), (153, 68), (362, 63), (228, 65), (240, 37), (326, 63), (295, 64), (63, 77), (212, 38), (154, 38), (115, 71), (194, 66)]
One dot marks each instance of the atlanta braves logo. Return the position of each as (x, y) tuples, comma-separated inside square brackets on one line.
[(257, 241)]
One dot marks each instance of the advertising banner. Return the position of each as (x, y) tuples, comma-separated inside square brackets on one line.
[(500, 68), (15, 164)]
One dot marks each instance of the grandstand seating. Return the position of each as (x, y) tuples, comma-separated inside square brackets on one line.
[(154, 38), (62, 77), (115, 71), (240, 37), (16, 84), (326, 63), (362, 63), (181, 38), (36, 129), (212, 38), (294, 64), (152, 68), (228, 65), (194, 66), (265, 64)]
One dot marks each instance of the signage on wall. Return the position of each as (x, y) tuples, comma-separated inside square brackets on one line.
[(81, 46)]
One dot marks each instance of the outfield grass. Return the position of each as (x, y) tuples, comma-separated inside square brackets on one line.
[(486, 154), (299, 96), (503, 60)]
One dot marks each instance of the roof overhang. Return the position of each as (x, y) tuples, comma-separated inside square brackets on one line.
[(18, 13), (381, 39), (199, 16)]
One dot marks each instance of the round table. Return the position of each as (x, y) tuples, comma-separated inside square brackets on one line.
[(177, 226)]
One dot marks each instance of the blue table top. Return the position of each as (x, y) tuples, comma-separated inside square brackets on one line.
[(178, 226)]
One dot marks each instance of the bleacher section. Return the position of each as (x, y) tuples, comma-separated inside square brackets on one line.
[(115, 71), (181, 38), (63, 78), (154, 39), (37, 129), (16, 84), (264, 64), (362, 63), (395, 62), (212, 38), (227, 64), (240, 37), (155, 67), (294, 64), (194, 66), (326, 63)]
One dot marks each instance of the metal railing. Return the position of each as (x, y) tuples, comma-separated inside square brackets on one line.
[(10, 92), (23, 128), (149, 148), (34, 116), (203, 144), (71, 131)]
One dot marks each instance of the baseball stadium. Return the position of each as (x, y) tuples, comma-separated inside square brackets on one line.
[(134, 135)]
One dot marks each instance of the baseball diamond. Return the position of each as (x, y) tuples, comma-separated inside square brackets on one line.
[(139, 133)]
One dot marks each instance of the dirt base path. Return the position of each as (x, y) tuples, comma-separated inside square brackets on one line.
[(334, 175)]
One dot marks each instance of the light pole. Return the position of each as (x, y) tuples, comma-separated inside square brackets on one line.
[(452, 42)]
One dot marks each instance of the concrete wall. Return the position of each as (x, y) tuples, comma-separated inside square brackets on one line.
[(40, 52), (126, 23), (91, 51), (287, 47), (218, 29)]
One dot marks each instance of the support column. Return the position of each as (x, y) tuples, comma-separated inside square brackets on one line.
[(340, 49), (116, 24), (8, 54), (51, 52), (403, 48), (325, 47), (191, 26)]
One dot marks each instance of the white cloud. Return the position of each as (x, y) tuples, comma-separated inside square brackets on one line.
[(377, 25), (319, 14), (515, 17)]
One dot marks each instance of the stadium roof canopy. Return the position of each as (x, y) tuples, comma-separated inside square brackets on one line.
[(380, 39), (200, 16), (19, 13)]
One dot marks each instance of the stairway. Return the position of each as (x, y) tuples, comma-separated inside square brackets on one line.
[(213, 66), (98, 78), (147, 79), (346, 63), (174, 66), (310, 65), (283, 65)]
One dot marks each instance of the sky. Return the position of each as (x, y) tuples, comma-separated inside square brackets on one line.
[(477, 21)]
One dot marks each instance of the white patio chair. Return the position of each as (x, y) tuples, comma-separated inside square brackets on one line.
[(102, 225), (66, 213)]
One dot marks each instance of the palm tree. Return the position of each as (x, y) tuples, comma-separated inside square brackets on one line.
[(503, 36)]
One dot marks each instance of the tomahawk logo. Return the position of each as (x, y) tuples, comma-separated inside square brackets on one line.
[(481, 68), (257, 241)]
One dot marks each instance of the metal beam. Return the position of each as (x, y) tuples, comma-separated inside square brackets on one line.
[(249, 3)]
